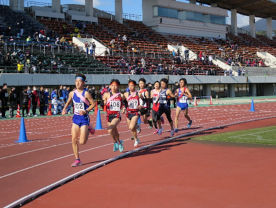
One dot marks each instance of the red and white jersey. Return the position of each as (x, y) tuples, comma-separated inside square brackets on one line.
[(143, 100), (155, 96), (133, 101), (114, 103)]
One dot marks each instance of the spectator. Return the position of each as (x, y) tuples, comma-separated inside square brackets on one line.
[(60, 105), (12, 101), (4, 96), (47, 98), (55, 104), (42, 101), (54, 93), (93, 48), (20, 67), (143, 62), (59, 92), (25, 102), (34, 101), (29, 91)]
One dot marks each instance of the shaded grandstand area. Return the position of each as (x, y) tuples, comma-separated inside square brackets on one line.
[(44, 45)]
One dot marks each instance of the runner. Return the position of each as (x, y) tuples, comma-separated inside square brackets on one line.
[(155, 93), (182, 94), (144, 102), (132, 111), (83, 103), (113, 102), (165, 104)]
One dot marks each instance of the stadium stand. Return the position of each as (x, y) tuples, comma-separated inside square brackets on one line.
[(134, 48)]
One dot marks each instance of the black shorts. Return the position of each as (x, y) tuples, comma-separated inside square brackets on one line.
[(130, 115), (110, 117), (145, 111), (165, 110)]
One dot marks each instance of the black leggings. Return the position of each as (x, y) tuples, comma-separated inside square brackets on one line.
[(157, 115), (165, 110)]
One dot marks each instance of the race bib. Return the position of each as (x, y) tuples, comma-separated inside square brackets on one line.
[(133, 104), (78, 107), (183, 99), (115, 105)]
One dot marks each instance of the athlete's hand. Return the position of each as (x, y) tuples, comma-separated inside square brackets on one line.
[(83, 112), (124, 110), (64, 112)]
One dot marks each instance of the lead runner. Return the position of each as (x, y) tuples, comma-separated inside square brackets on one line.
[(83, 103)]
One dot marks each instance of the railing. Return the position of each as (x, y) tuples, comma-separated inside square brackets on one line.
[(39, 4), (105, 70), (43, 48)]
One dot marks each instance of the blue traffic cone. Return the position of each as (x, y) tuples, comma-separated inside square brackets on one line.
[(252, 109), (22, 135), (139, 120), (99, 121)]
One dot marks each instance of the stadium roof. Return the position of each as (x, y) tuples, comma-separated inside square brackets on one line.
[(259, 8)]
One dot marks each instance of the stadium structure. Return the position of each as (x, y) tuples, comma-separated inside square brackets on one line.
[(51, 42)]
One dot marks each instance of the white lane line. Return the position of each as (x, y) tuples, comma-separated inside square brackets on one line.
[(49, 161), (59, 158)]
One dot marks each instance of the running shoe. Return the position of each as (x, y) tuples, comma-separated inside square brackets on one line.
[(160, 131), (115, 147), (156, 131), (91, 130), (138, 128), (76, 163), (172, 133), (190, 124), (132, 138), (162, 120), (121, 146), (137, 141), (176, 130)]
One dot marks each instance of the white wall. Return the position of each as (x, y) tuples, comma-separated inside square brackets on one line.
[(100, 48), (192, 55), (176, 26)]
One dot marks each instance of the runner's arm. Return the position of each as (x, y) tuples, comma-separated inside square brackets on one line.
[(176, 93), (188, 93), (169, 92), (69, 101), (91, 101)]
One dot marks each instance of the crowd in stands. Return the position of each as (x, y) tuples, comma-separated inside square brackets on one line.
[(133, 48)]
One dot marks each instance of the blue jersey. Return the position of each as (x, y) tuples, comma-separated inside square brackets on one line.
[(79, 105), (182, 100), (163, 100)]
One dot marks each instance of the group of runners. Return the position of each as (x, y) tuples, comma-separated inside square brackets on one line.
[(133, 103)]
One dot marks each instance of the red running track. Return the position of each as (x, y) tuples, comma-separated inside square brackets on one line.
[(28, 167)]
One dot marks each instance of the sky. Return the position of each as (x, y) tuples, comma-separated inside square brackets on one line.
[(135, 7)]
